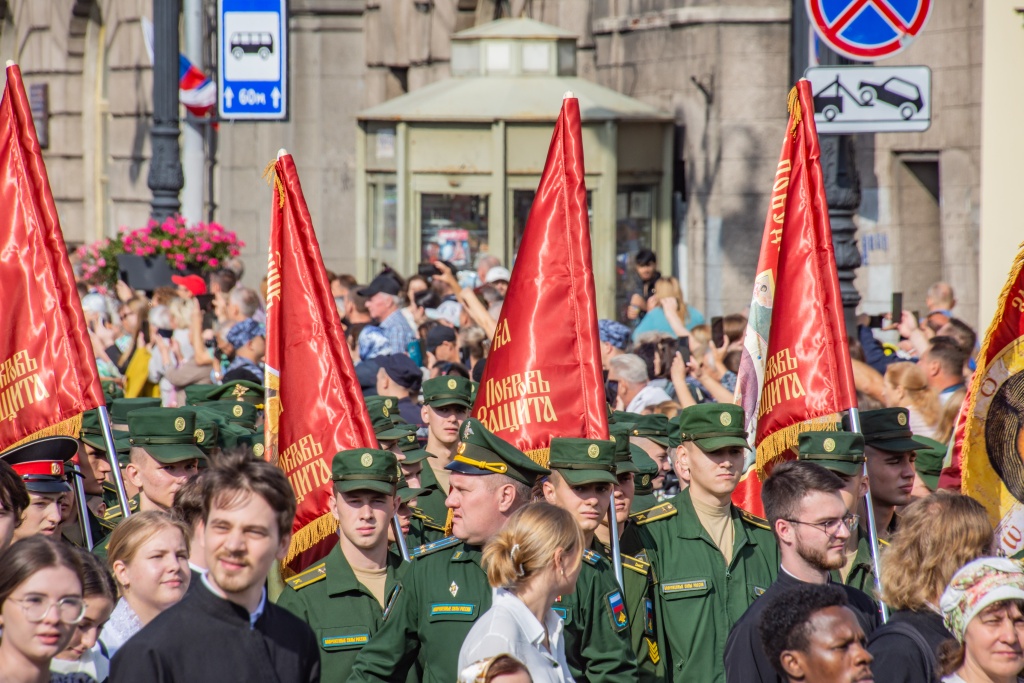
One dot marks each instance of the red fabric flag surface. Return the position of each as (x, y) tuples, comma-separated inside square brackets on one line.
[(795, 373), (48, 374), (988, 445), (314, 406), (543, 375)]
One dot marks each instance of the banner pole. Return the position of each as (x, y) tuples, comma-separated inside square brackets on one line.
[(83, 510), (872, 530), (115, 466), (613, 533), (400, 538)]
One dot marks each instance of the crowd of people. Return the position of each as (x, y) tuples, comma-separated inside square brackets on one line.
[(513, 570)]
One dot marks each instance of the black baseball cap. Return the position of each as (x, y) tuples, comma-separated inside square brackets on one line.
[(385, 282), (402, 370), (437, 335)]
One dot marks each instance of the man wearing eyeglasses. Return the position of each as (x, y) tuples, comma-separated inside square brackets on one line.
[(812, 524)]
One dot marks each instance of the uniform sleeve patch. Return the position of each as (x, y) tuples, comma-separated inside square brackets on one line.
[(684, 586), (649, 617), (652, 649), (618, 610)]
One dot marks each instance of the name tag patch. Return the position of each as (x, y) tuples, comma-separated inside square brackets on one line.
[(447, 608), (343, 641), (684, 586)]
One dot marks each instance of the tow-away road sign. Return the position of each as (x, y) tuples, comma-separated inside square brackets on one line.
[(253, 57), (871, 99)]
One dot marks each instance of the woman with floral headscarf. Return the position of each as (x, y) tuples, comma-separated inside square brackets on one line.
[(983, 607)]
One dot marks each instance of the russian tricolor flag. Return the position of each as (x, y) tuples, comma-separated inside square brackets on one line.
[(197, 92)]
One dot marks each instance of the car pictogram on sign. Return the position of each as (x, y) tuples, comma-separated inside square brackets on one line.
[(255, 42), (895, 92)]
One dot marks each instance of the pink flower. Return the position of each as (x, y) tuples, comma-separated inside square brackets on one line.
[(214, 263), (165, 244), (102, 262)]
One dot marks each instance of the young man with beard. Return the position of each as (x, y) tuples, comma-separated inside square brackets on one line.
[(445, 590), (248, 511), (597, 637), (40, 464), (712, 559), (812, 636), (812, 524), (348, 597)]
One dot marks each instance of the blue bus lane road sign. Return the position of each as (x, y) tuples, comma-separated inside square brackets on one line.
[(252, 54)]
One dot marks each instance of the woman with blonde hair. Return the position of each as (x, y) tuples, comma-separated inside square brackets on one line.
[(667, 311), (907, 387), (533, 560), (148, 553), (936, 537)]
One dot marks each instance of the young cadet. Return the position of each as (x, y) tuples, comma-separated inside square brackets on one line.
[(712, 559), (842, 453), (651, 433), (597, 637), (637, 577), (163, 456), (445, 590), (446, 403), (644, 499), (348, 597), (119, 409), (40, 464), (891, 451)]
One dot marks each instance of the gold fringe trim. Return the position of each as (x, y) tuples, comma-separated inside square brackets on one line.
[(448, 522), (311, 534), (270, 175), (793, 105), (541, 456), (979, 374), (69, 427), (775, 446)]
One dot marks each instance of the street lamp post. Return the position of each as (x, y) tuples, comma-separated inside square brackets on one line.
[(165, 175)]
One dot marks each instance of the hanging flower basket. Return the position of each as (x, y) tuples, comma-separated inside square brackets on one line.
[(202, 248)]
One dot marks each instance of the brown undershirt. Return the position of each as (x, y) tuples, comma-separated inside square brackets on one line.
[(374, 580), (717, 521)]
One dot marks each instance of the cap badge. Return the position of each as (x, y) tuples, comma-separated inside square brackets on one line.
[(239, 391), (387, 404), (179, 424), (725, 419), (468, 431), (829, 445), (462, 448), (200, 435), (366, 460), (54, 468), (593, 451), (453, 589), (385, 410), (452, 384), (902, 419), (612, 438), (258, 450), (645, 480), (237, 411)]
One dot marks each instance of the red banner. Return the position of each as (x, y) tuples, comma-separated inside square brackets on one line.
[(543, 375), (48, 374), (314, 405)]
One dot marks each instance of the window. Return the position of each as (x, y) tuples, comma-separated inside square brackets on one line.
[(384, 218), (522, 201), (634, 220), (453, 228)]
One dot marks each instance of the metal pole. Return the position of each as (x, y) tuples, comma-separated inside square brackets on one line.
[(613, 534), (165, 175), (108, 438), (400, 539), (192, 151), (83, 511), (872, 530)]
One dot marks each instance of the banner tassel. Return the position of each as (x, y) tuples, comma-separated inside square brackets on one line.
[(541, 456), (270, 175), (69, 427), (773, 448), (793, 105), (311, 534)]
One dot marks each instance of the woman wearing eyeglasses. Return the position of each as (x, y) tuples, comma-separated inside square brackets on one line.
[(40, 605), (936, 537)]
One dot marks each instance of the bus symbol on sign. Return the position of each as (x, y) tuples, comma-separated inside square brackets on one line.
[(261, 44)]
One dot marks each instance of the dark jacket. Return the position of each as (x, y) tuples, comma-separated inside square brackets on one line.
[(898, 655), (207, 638), (745, 658)]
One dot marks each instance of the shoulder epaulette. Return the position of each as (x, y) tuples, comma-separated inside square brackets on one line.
[(654, 514), (315, 573), (591, 557), (440, 544), (756, 521), (427, 520), (635, 563)]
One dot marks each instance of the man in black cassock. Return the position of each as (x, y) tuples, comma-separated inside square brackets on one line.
[(227, 630)]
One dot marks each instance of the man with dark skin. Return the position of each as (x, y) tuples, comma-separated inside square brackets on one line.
[(812, 636)]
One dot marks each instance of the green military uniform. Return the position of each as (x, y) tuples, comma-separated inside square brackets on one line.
[(120, 407), (445, 589), (417, 535), (929, 461), (238, 413), (425, 526), (239, 390), (699, 597), (343, 613), (597, 633), (643, 483)]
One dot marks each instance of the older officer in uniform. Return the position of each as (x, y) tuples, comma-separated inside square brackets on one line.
[(445, 590), (712, 559), (596, 615), (634, 544), (348, 597)]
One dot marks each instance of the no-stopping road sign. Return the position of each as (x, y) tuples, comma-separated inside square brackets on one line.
[(868, 30)]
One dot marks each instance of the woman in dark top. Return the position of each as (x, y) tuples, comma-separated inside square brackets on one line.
[(937, 535)]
